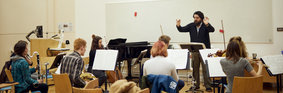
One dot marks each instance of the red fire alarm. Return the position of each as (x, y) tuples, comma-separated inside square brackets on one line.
[(136, 14)]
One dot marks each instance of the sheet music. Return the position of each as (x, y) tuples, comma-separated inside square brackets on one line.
[(58, 69), (275, 63), (105, 60), (204, 53), (214, 67), (178, 57)]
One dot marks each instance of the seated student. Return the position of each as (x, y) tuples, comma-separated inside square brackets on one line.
[(96, 44), (159, 65), (73, 64), (21, 71), (234, 64), (243, 49), (166, 39)]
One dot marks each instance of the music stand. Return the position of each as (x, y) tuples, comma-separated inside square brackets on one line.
[(275, 64), (193, 47), (105, 60)]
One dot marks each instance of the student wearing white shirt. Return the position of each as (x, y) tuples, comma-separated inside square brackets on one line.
[(159, 65)]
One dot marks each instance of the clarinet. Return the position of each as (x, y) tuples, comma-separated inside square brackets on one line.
[(38, 65)]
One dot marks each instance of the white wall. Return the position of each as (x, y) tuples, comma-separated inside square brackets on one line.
[(121, 22), (18, 18), (91, 11), (277, 45), (90, 19)]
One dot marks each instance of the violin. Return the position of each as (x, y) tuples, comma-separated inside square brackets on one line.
[(219, 53)]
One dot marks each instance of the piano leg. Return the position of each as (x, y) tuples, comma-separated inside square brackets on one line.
[(129, 62), (119, 65)]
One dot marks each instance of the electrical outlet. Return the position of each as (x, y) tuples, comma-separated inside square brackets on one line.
[(279, 29)]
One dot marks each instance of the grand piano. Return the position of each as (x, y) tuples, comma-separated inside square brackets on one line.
[(128, 51)]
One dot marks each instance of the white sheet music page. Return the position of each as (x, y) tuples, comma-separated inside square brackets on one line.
[(58, 69), (275, 63), (178, 57), (204, 53), (105, 60), (214, 67)]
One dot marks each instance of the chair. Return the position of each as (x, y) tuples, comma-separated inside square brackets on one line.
[(10, 78), (248, 85), (5, 89), (63, 85)]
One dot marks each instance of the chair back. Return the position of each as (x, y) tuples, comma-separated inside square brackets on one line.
[(62, 83), (10, 78), (248, 85), (9, 75), (80, 90)]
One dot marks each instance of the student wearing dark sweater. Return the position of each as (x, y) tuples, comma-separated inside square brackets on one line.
[(96, 44), (199, 32)]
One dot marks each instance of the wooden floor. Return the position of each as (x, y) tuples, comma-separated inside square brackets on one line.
[(268, 88)]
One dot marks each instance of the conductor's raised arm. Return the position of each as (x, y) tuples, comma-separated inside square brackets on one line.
[(180, 28), (208, 26)]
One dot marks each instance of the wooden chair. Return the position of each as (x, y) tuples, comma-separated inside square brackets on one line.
[(80, 90), (63, 85), (9, 75), (248, 85), (10, 78)]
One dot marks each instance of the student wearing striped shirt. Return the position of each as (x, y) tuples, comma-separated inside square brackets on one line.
[(73, 64)]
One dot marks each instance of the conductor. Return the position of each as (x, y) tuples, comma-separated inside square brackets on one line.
[(199, 32)]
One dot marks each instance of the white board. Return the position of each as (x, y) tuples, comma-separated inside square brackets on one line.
[(275, 64), (250, 19), (105, 60), (214, 67), (178, 57)]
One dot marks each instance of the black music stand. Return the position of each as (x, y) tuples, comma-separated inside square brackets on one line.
[(193, 47)]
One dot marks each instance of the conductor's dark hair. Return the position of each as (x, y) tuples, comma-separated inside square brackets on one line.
[(20, 47), (200, 14)]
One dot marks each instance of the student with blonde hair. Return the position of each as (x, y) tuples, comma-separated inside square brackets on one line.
[(73, 64), (166, 39)]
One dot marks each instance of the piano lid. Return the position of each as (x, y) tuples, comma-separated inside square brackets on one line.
[(116, 41)]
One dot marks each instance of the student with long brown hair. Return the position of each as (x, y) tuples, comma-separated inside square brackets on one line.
[(96, 44), (243, 49), (234, 64)]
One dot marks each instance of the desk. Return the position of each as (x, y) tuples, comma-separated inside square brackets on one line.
[(9, 84)]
